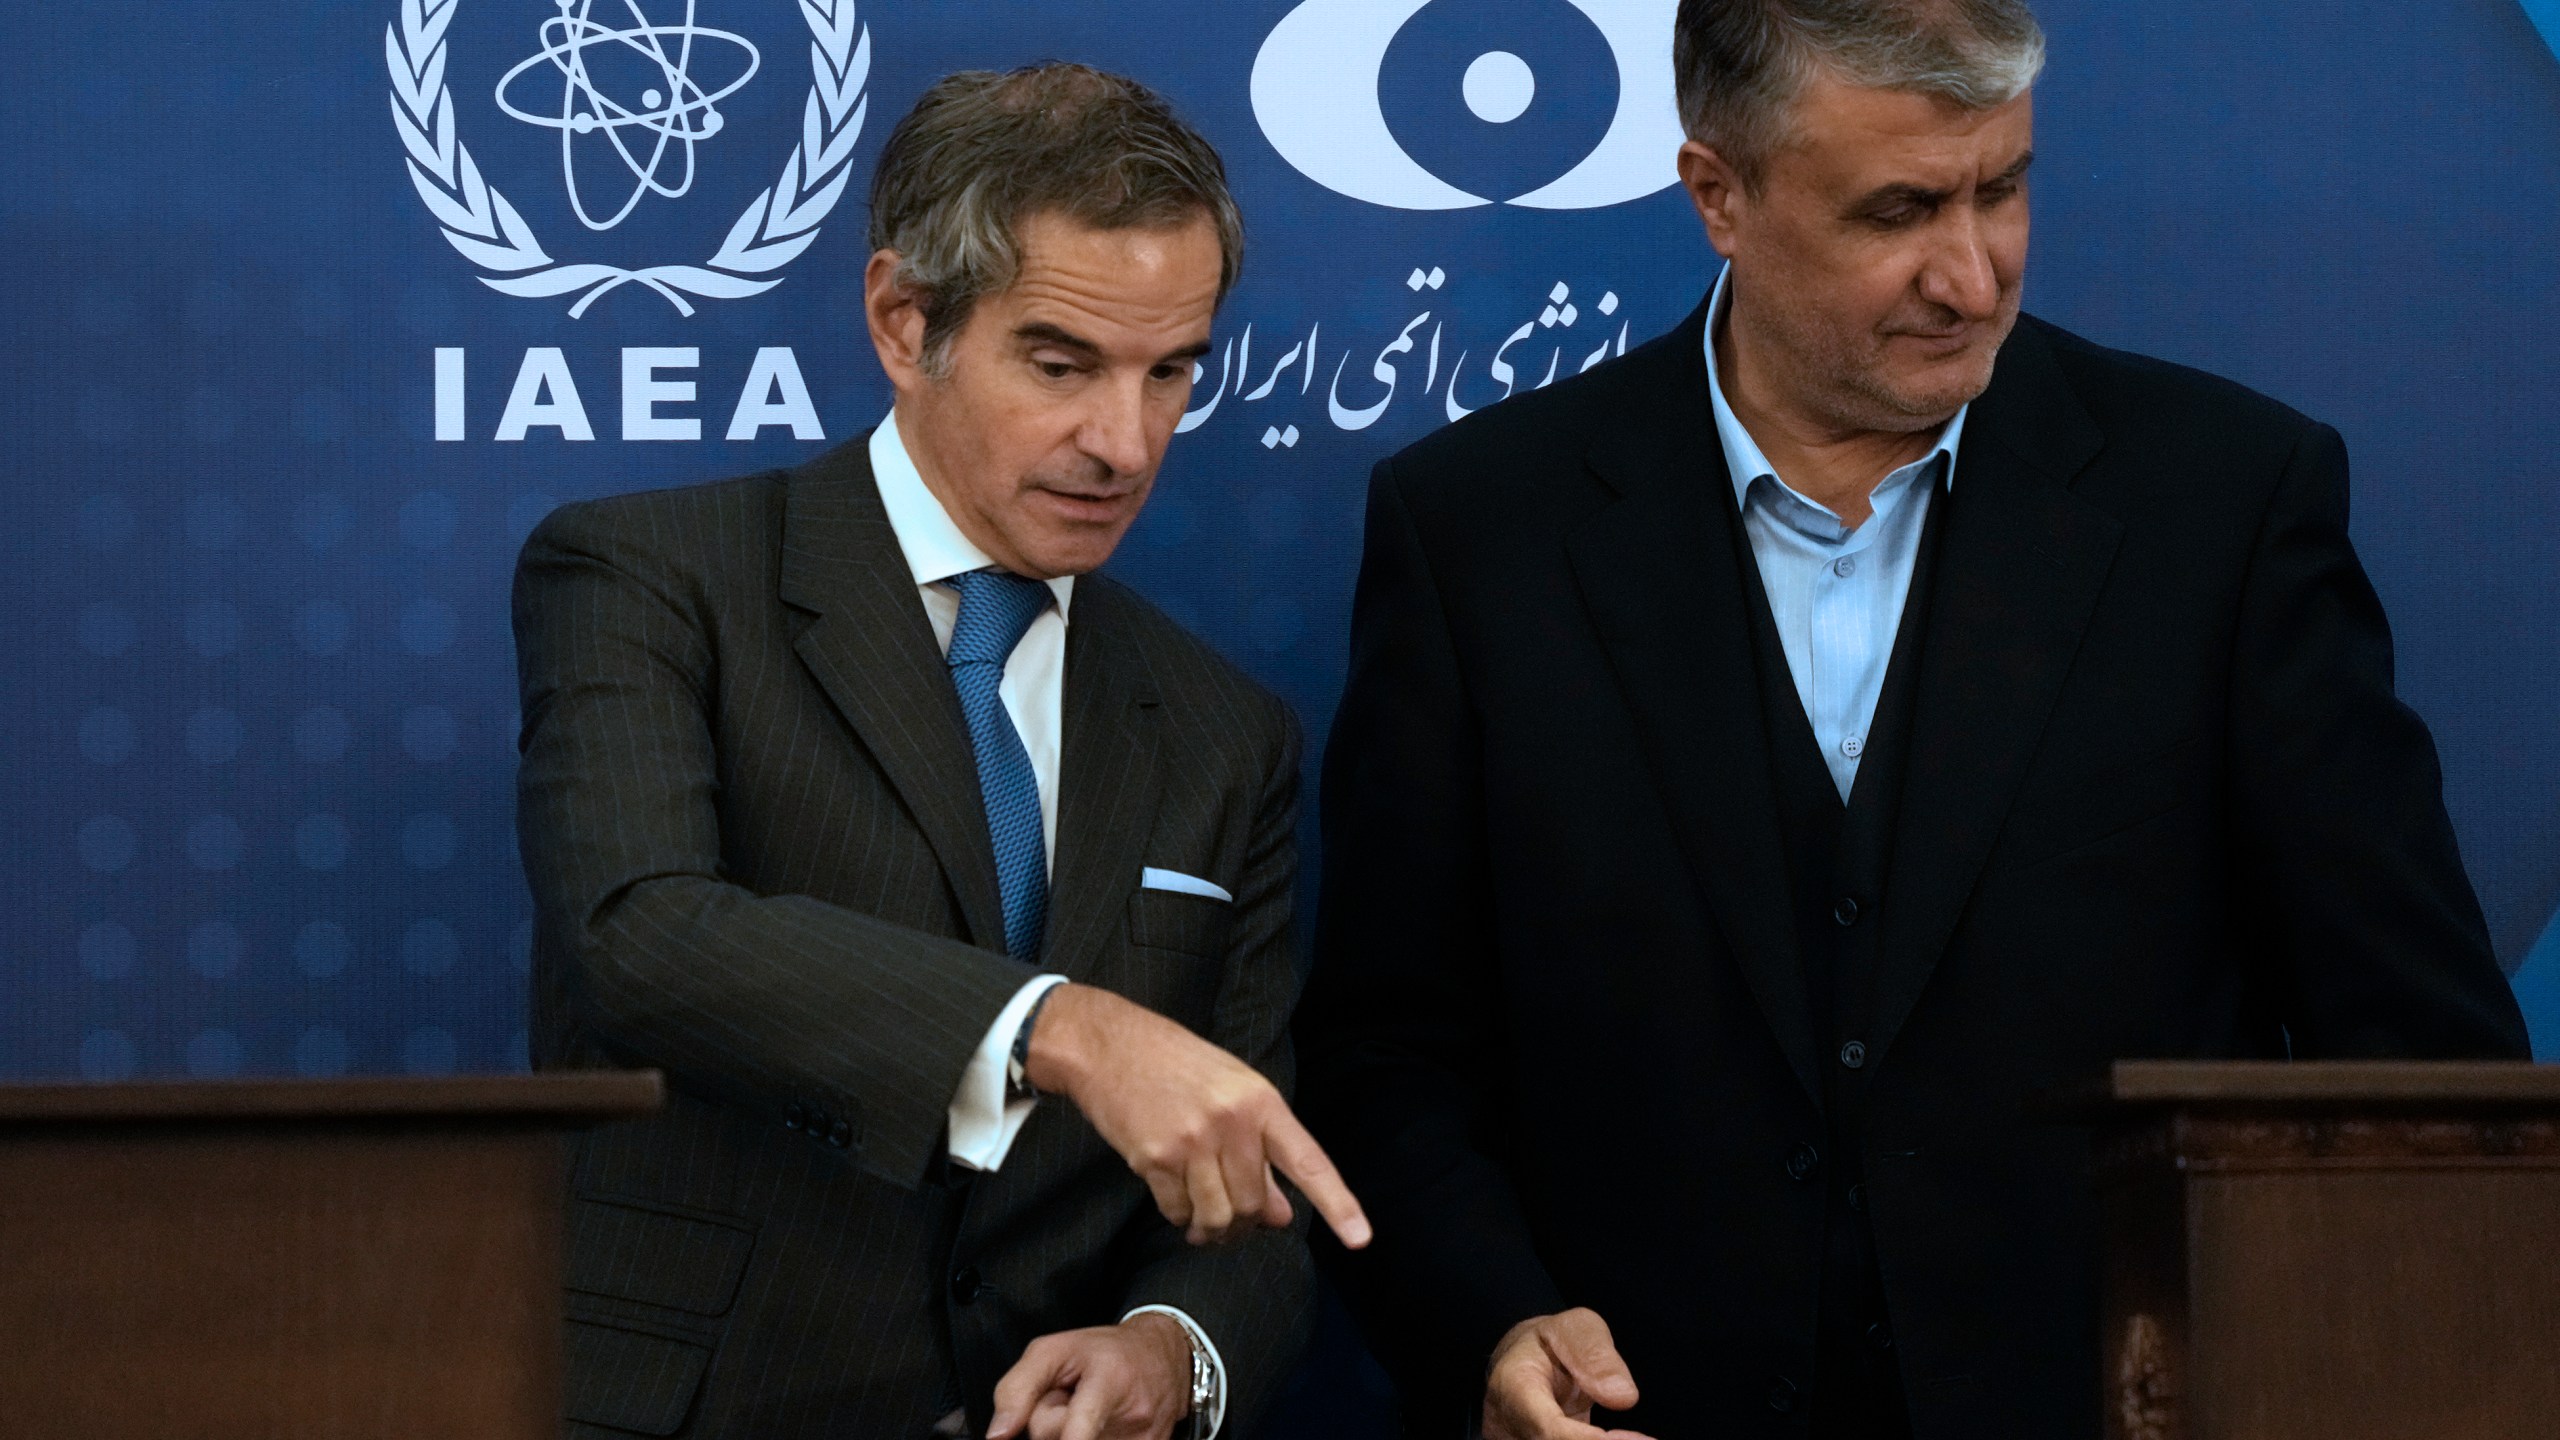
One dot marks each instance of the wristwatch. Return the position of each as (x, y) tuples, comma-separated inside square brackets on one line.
[(1204, 1392), (1208, 1384), (1017, 1078)]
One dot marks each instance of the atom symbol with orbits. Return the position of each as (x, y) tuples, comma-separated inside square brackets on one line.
[(677, 116)]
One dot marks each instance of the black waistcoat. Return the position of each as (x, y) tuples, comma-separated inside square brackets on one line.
[(1839, 868)]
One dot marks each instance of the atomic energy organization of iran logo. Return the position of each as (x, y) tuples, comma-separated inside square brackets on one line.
[(651, 136), (1316, 94)]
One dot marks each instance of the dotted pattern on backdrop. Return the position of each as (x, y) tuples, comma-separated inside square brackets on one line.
[(289, 867), (255, 615)]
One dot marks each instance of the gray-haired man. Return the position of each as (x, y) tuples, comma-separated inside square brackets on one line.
[(1769, 757), (855, 802)]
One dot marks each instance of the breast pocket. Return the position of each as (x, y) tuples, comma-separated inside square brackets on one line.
[(1171, 920), (1178, 948)]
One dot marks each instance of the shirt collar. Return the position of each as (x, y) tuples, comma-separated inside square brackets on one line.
[(935, 548), (1742, 455)]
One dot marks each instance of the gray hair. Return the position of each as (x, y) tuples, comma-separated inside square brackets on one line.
[(982, 152), (1741, 63)]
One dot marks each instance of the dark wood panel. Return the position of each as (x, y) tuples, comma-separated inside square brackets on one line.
[(2375, 1305), (2362, 1085), (373, 1259), (561, 1098), (2221, 1141), (226, 1286), (2329, 1252)]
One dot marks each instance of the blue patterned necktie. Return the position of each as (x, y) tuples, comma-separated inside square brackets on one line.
[(996, 608)]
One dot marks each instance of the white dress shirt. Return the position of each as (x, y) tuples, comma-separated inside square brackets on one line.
[(983, 1120), (1835, 591)]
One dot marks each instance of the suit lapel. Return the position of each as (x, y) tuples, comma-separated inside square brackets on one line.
[(872, 650), (2023, 564), (1660, 577), (1107, 781)]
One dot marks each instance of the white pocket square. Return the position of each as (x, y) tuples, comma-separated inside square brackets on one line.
[(1181, 884)]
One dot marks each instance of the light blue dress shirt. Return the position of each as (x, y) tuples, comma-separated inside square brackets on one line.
[(1836, 592)]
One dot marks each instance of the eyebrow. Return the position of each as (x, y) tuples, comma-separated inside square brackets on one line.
[(1042, 333), (1039, 332), (1915, 195)]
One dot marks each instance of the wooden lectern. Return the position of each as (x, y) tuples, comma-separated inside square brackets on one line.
[(289, 1260), (2347, 1251)]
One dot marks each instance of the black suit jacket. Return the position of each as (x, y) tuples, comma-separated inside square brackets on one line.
[(2160, 801), (752, 824)]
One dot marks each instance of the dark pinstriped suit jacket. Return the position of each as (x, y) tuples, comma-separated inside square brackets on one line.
[(751, 820)]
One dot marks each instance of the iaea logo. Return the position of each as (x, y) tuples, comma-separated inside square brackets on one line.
[(1316, 93), (653, 132), (678, 117)]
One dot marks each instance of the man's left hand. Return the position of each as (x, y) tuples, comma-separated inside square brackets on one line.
[(1130, 1381)]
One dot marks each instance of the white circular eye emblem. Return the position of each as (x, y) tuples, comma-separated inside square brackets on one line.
[(1315, 91), (1499, 87)]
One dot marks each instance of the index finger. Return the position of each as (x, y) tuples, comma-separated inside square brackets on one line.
[(1299, 1157)]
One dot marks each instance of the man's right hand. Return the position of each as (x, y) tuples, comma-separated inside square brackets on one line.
[(1548, 1373), (1201, 1127)]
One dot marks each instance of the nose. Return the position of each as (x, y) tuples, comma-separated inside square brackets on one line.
[(1960, 275), (1115, 428)]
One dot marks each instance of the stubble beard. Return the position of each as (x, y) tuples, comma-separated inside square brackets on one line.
[(1856, 386)]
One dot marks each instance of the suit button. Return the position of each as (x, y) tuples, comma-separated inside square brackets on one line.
[(1854, 1055), (1846, 912), (840, 1134), (1782, 1395), (796, 1118), (1880, 1336), (1858, 1198), (1802, 1161), (965, 1285)]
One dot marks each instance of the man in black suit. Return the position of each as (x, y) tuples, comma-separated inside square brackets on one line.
[(1770, 757), (853, 800)]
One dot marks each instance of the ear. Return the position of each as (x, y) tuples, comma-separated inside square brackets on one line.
[(896, 319), (1715, 191)]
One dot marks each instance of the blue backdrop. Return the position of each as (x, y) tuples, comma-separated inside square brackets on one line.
[(255, 634), (305, 331)]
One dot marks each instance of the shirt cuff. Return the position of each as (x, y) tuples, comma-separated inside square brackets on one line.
[(1217, 1415), (983, 1120)]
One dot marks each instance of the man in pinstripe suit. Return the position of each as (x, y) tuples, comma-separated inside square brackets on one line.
[(854, 801)]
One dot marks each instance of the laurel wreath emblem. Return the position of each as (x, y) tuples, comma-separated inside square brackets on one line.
[(478, 221)]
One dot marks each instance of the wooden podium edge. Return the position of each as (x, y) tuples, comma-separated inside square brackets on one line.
[(568, 1099), (2132, 1087)]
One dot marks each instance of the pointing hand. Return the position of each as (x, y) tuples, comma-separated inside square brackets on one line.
[(1201, 1127)]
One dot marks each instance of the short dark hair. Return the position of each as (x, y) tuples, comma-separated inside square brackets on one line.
[(1740, 63), (983, 151)]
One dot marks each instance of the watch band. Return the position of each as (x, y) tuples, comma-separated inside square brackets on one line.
[(1207, 1411), (1204, 1391), (1017, 1080)]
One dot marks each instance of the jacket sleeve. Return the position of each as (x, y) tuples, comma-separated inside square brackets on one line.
[(1254, 1298), (1402, 1015), (647, 950), (2346, 857)]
